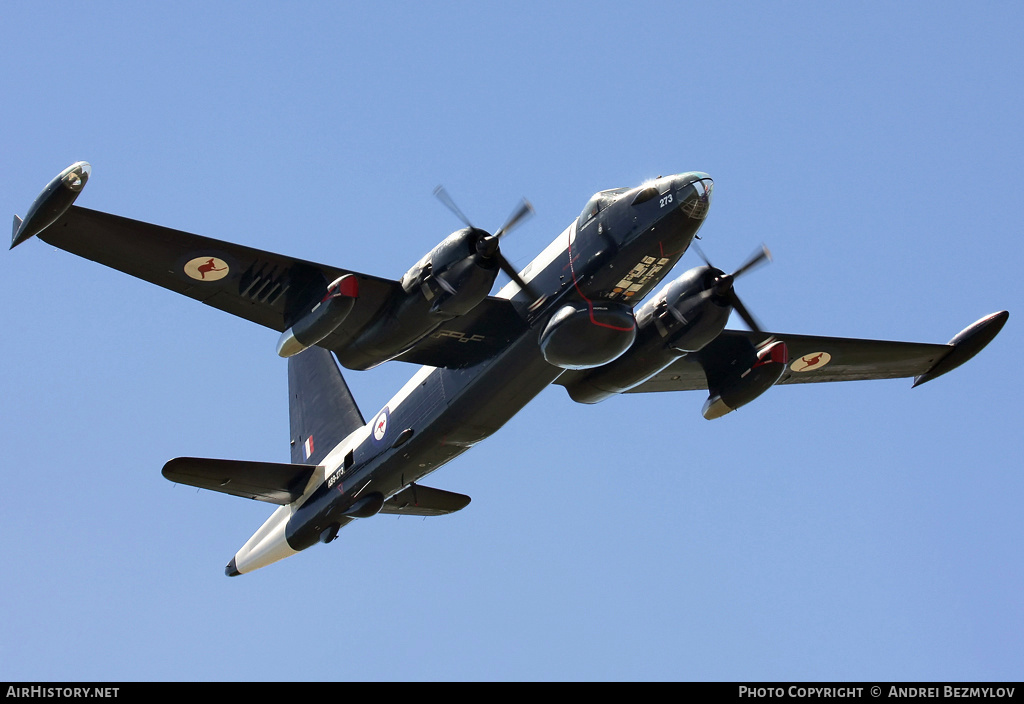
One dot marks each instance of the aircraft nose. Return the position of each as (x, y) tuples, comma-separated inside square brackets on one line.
[(694, 192)]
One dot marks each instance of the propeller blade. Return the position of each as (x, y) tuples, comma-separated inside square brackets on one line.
[(510, 271), (442, 195), (724, 284), (514, 275), (750, 320), (761, 256), (700, 252), (524, 210)]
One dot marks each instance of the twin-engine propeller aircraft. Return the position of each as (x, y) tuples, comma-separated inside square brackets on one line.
[(568, 318)]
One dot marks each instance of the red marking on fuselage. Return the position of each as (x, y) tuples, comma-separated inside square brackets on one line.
[(590, 305), (664, 254)]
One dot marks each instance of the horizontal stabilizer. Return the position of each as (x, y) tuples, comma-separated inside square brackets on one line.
[(262, 481), (417, 500)]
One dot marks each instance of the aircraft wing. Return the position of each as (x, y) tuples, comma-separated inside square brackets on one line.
[(266, 288), (270, 289), (811, 359)]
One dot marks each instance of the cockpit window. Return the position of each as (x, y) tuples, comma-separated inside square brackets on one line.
[(599, 202), (590, 210)]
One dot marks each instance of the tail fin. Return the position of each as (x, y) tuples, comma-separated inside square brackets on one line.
[(320, 406)]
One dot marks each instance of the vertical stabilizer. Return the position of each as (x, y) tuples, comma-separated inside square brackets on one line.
[(321, 409)]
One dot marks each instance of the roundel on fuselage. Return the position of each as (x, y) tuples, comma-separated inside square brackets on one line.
[(380, 425)]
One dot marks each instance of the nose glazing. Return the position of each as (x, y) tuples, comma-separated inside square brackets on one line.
[(695, 194)]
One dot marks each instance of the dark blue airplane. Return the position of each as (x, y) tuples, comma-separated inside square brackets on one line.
[(569, 318)]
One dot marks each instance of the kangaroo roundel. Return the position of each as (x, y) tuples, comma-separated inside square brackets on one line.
[(207, 269), (810, 362), (380, 425)]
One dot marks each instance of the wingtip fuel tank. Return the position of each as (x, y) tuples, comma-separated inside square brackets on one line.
[(967, 343), (53, 202)]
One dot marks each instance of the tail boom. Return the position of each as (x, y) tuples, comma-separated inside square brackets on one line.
[(266, 546)]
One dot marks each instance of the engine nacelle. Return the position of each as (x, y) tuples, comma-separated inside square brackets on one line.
[(449, 281), (686, 313), (454, 276), (680, 318), (588, 334), (741, 387), (325, 317)]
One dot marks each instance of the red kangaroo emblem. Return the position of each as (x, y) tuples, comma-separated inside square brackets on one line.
[(810, 362), (209, 266)]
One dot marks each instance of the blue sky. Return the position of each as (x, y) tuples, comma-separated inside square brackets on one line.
[(857, 531)]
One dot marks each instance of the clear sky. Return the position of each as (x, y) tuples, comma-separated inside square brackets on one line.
[(857, 531)]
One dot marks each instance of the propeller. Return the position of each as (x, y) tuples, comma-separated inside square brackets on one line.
[(723, 284), (488, 245)]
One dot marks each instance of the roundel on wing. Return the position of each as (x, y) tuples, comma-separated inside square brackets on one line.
[(206, 269), (810, 362), (380, 425)]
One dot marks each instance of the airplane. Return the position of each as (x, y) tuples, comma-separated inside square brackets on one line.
[(570, 317)]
